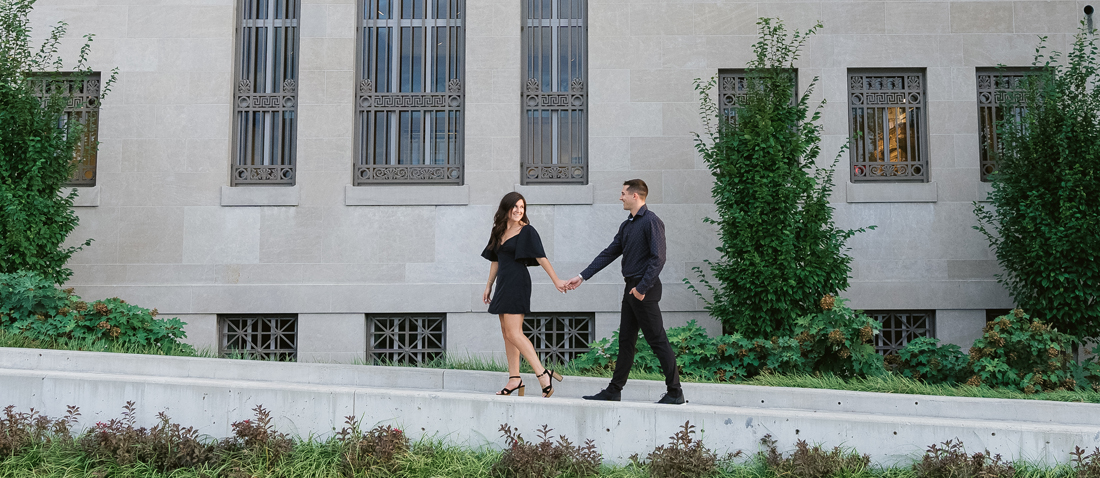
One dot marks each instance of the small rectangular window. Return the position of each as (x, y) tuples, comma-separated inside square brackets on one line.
[(266, 106), (560, 337), (410, 339), (1001, 95), (259, 337), (82, 93), (889, 132), (410, 110), (899, 327), (554, 126)]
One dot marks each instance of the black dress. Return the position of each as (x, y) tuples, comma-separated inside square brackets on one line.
[(513, 294)]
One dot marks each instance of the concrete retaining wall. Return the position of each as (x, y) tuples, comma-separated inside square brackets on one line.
[(314, 399)]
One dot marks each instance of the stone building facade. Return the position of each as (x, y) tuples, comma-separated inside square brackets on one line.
[(335, 258)]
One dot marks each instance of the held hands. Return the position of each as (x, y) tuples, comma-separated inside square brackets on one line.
[(561, 286), (636, 294), (573, 283)]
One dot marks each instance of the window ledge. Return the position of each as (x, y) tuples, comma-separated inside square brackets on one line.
[(984, 189), (891, 192), (260, 196), (419, 195), (551, 195), (85, 197)]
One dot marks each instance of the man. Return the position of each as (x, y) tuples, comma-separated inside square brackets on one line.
[(641, 242)]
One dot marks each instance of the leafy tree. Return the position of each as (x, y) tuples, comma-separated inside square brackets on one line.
[(780, 251), (1044, 216), (36, 147)]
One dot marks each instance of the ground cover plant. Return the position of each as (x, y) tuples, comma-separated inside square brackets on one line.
[(33, 309), (33, 445)]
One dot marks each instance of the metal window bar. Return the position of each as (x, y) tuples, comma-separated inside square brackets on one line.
[(554, 128), (1001, 95), (888, 126), (733, 89), (559, 338), (81, 93), (411, 339), (266, 108), (259, 337), (410, 95), (901, 327)]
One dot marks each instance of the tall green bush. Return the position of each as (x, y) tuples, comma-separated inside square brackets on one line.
[(1044, 210), (36, 154), (780, 251)]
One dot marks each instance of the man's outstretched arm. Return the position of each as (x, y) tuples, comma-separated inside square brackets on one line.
[(608, 255)]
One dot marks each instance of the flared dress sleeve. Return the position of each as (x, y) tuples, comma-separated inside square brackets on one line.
[(529, 247), (489, 254)]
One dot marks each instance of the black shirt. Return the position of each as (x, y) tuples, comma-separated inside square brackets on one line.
[(641, 242)]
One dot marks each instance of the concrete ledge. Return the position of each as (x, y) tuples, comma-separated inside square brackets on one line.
[(406, 195), (459, 406), (550, 195), (891, 192), (260, 196), (86, 197)]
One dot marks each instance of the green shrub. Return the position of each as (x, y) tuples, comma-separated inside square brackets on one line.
[(925, 359), (1018, 352), (32, 306), (1044, 210), (36, 156), (780, 249), (836, 341), (951, 460), (545, 459)]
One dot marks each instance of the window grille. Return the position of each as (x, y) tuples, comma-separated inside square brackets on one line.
[(559, 338), (887, 123), (554, 135), (411, 339), (411, 63), (901, 327), (1001, 95), (266, 116), (81, 92), (260, 337), (733, 89)]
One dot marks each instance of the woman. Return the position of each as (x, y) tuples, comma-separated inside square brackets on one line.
[(513, 247)]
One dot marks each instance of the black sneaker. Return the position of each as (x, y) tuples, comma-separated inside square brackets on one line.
[(605, 395), (668, 399)]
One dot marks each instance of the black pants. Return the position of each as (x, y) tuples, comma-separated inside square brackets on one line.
[(644, 315)]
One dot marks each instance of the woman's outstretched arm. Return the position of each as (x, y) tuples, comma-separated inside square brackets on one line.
[(558, 283), (489, 285)]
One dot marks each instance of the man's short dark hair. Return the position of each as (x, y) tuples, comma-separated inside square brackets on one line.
[(637, 186)]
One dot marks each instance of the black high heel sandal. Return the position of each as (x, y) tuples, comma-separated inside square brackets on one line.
[(508, 391), (548, 390)]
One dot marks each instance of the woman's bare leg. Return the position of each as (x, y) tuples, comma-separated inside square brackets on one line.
[(512, 326), (513, 357)]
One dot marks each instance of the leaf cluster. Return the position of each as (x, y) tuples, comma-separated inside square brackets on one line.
[(1016, 351), (1044, 209), (837, 341), (32, 305), (166, 446), (951, 460), (376, 451), (780, 250), (546, 458), (812, 462), (926, 359), (683, 457), (20, 431)]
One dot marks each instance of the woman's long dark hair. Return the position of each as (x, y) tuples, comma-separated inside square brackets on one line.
[(500, 220)]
